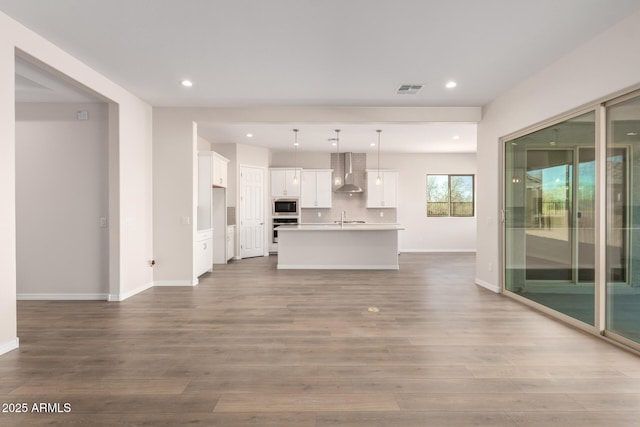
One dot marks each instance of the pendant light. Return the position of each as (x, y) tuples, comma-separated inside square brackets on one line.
[(338, 179), (379, 178), (295, 157)]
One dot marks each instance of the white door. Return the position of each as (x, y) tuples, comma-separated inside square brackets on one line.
[(251, 211)]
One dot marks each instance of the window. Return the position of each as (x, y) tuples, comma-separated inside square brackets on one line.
[(450, 195)]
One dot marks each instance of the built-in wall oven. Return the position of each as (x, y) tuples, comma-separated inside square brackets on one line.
[(277, 222), (286, 207)]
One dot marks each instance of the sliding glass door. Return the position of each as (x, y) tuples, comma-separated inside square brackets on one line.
[(623, 219), (571, 203), (549, 235)]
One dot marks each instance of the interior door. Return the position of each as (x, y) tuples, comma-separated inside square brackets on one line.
[(251, 211)]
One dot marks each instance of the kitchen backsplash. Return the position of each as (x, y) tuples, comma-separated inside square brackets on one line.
[(355, 209)]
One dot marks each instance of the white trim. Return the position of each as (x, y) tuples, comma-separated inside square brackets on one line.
[(338, 267), (176, 283), (437, 250), (122, 297), (62, 297), (9, 345), (489, 286)]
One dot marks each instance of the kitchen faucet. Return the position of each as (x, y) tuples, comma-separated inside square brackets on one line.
[(343, 216)]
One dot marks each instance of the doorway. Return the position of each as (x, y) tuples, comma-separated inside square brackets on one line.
[(62, 188)]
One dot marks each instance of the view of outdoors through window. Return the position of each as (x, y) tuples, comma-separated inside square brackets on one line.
[(450, 195)]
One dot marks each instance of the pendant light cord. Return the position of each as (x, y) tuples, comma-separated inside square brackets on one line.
[(295, 157), (379, 179)]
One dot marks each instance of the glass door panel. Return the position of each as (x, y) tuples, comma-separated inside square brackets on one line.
[(623, 219), (549, 224), (585, 197)]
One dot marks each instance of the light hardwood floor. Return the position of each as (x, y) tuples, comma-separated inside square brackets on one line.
[(255, 346)]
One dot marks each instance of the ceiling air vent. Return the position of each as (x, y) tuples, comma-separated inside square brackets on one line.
[(408, 89)]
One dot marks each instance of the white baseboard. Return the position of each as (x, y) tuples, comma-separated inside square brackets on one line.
[(175, 283), (428, 251), (122, 297), (337, 267), (489, 286), (10, 345), (62, 297)]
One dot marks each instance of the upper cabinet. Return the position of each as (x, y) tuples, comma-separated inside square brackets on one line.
[(219, 170), (204, 191), (283, 183), (385, 194), (315, 191), (212, 172)]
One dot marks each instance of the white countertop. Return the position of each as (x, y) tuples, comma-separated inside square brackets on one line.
[(338, 227)]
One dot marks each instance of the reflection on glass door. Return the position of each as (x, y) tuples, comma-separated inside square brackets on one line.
[(585, 197), (549, 217), (548, 207), (623, 220)]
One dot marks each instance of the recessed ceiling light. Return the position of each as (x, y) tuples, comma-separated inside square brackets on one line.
[(295, 144), (334, 143), (632, 133), (451, 84), (456, 136), (373, 144), (186, 83), (249, 135)]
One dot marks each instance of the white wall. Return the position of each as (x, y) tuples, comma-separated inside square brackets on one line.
[(8, 324), (130, 171), (61, 194), (428, 234), (304, 159), (600, 67), (422, 234)]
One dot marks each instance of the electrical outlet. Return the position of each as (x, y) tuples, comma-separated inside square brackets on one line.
[(103, 222), (319, 214), (185, 220), (490, 266), (381, 214)]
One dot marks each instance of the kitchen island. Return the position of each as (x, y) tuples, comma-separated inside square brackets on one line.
[(338, 246)]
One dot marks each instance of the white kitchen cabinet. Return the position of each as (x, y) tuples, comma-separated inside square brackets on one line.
[(282, 182), (315, 188), (212, 207), (204, 251), (219, 170), (231, 241), (384, 195)]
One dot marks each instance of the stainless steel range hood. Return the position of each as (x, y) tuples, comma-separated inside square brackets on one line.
[(349, 186)]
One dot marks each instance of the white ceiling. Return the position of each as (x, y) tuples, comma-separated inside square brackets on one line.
[(318, 53), (399, 138)]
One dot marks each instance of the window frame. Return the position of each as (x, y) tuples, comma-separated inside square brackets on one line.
[(450, 215)]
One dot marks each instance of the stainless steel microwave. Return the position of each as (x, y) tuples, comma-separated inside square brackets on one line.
[(290, 207)]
